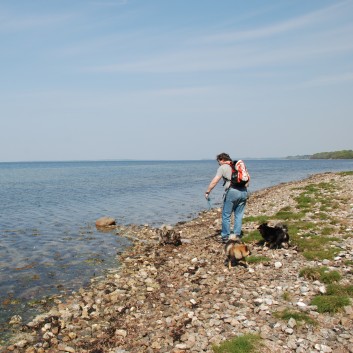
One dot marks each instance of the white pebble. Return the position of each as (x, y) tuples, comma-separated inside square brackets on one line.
[(278, 264)]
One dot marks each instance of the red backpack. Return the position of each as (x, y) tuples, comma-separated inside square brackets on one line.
[(240, 175)]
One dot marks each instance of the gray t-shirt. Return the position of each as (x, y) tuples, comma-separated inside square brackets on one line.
[(225, 171)]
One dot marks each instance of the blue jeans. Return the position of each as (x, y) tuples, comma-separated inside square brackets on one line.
[(234, 201)]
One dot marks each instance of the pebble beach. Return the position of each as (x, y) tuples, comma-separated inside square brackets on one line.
[(166, 298)]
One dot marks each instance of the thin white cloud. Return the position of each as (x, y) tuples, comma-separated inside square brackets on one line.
[(238, 56), (298, 23), (330, 80), (108, 3), (11, 23), (196, 55), (181, 91)]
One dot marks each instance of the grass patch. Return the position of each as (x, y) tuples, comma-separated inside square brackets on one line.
[(314, 242), (259, 219), (320, 254), (312, 273), (330, 303), (304, 201), (248, 343), (306, 225), (334, 222), (340, 290), (311, 188), (327, 231), (330, 277), (314, 247), (286, 208), (327, 186), (252, 236), (322, 216), (314, 193), (257, 259), (299, 317), (286, 296), (288, 215), (320, 273), (350, 172), (299, 226)]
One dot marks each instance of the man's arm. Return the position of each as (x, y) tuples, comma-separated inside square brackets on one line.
[(213, 183)]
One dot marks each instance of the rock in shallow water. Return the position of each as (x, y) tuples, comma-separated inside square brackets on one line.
[(105, 222)]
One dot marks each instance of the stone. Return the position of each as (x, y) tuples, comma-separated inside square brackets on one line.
[(105, 222), (292, 323), (120, 332), (278, 264), (15, 320), (65, 348)]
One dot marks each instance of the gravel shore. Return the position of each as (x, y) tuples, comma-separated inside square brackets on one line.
[(167, 298)]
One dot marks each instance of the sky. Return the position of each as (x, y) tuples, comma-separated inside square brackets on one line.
[(174, 79)]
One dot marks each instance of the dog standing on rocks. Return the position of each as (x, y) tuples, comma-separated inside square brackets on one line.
[(274, 237), (236, 251)]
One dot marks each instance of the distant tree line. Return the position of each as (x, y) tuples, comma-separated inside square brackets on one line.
[(344, 154)]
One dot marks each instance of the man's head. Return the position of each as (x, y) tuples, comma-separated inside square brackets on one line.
[(223, 157)]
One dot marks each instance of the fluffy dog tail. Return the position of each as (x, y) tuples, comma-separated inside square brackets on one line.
[(285, 232), (241, 251)]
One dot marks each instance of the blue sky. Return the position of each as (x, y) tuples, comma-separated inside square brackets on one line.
[(174, 79)]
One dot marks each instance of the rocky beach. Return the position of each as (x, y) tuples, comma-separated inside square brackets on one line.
[(183, 298)]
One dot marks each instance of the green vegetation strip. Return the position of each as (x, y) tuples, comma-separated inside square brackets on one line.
[(257, 259), (311, 230), (321, 274), (330, 303), (312, 237), (299, 317), (336, 297), (344, 154), (248, 343)]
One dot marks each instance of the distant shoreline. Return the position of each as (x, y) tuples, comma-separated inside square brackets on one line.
[(344, 154), (304, 157)]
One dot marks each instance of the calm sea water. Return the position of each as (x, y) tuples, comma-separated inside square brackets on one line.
[(48, 241)]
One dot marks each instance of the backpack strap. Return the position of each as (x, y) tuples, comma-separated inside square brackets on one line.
[(231, 164)]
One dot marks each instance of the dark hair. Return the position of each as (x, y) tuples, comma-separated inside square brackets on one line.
[(223, 157)]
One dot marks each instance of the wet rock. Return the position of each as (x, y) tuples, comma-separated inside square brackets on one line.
[(105, 222), (15, 320)]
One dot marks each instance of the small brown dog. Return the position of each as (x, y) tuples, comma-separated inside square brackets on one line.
[(236, 250)]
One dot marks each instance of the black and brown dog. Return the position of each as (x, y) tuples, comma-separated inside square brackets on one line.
[(274, 237), (236, 251)]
